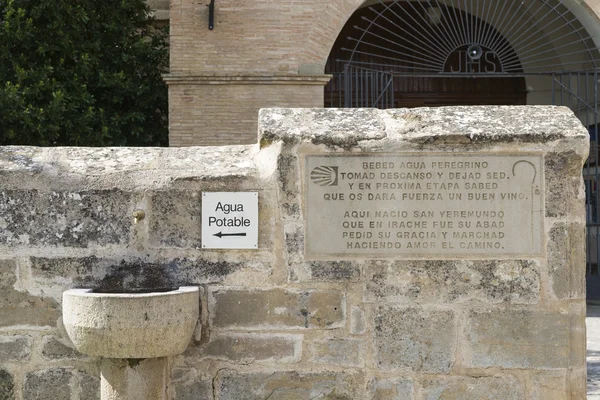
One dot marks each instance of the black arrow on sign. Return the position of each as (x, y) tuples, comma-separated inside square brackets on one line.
[(221, 234)]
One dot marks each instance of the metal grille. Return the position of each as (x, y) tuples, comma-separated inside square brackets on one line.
[(471, 36)]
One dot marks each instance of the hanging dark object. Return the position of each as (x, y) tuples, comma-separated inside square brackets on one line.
[(211, 15)]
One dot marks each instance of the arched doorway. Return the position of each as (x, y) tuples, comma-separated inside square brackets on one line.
[(378, 45), (410, 53)]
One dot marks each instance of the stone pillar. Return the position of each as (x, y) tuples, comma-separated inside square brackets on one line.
[(465, 227), (130, 379)]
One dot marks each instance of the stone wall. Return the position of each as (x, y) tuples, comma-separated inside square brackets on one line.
[(276, 322)]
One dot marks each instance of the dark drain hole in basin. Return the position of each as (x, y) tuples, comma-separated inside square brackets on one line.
[(134, 290)]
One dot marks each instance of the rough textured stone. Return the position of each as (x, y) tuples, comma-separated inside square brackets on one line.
[(464, 388), (194, 391), (288, 386), (277, 308), (385, 129), (47, 384), (391, 389), (6, 386), (563, 183), (512, 281), (71, 219), (411, 337), (134, 273), (347, 352), (15, 348), (175, 219), (320, 271), (549, 385), (566, 260), (53, 348), (90, 387), (247, 348), (188, 385), (20, 308), (125, 325), (516, 338), (358, 321), (289, 185)]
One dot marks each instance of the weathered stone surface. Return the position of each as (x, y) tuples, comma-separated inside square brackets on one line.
[(288, 386), (6, 385), (175, 219), (131, 325), (516, 338), (511, 281), (89, 386), (47, 384), (391, 389), (253, 347), (566, 259), (331, 271), (194, 391), (289, 181), (277, 308), (19, 308), (465, 388), (71, 219), (411, 337), (358, 321), (188, 385), (549, 385), (563, 183), (15, 348), (134, 273), (371, 129), (347, 352), (53, 348)]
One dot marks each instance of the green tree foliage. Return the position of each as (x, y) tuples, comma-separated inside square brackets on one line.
[(81, 73)]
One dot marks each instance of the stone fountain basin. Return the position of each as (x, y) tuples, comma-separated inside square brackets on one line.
[(131, 325)]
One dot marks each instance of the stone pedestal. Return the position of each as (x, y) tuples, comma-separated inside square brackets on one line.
[(134, 379)]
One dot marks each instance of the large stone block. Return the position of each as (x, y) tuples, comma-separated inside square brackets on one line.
[(419, 339), (54, 383), (70, 219), (15, 348), (247, 348), (465, 388), (175, 219), (391, 389), (288, 385), (276, 309), (515, 281), (516, 338), (21, 308), (338, 352)]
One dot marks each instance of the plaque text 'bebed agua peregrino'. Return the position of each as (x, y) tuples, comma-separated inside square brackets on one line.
[(416, 205)]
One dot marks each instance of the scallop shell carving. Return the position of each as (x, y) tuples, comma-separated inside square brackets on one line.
[(325, 176)]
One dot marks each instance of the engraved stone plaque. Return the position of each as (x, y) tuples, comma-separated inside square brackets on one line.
[(424, 205)]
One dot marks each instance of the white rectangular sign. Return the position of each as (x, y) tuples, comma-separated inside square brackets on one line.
[(230, 220)]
